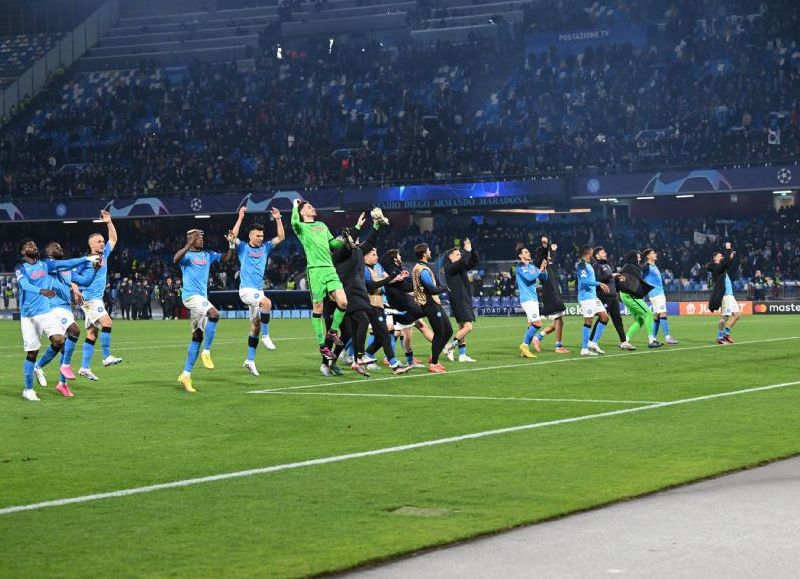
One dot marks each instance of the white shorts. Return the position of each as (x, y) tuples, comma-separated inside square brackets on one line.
[(729, 306), (251, 297), (531, 308), (198, 307), (64, 317), (33, 328), (93, 310), (400, 327), (553, 317), (659, 304), (591, 307)]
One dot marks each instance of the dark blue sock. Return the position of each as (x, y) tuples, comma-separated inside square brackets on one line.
[(462, 349), (656, 324), (410, 356), (727, 331)]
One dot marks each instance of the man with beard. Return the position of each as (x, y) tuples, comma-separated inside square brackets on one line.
[(456, 267), (604, 271), (426, 294)]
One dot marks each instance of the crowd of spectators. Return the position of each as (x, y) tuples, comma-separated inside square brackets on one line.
[(717, 83), (19, 52)]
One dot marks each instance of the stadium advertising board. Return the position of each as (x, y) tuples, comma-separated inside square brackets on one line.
[(701, 309), (762, 308), (680, 182), (442, 196)]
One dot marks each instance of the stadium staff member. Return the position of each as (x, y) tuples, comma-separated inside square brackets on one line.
[(426, 294), (605, 272), (456, 267)]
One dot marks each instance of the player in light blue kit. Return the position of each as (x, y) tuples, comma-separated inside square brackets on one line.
[(61, 307), (195, 265), (658, 300), (527, 274), (90, 298), (35, 312), (591, 306), (253, 258)]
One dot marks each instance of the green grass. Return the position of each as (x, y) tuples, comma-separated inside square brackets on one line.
[(136, 427)]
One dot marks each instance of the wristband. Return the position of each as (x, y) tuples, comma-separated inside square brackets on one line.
[(232, 244)]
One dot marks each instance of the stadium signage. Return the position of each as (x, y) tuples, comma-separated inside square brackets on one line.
[(575, 42), (667, 183), (701, 309), (776, 307)]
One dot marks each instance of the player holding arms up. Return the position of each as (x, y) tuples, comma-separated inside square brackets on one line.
[(591, 306), (90, 298), (527, 274), (552, 304), (722, 297), (253, 258), (195, 265), (456, 267), (323, 280), (657, 298)]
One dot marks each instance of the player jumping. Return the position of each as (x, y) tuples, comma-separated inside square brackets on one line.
[(323, 280)]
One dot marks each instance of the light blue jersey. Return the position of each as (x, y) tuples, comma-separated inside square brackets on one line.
[(61, 283), (253, 264), (728, 285), (195, 267), (34, 277), (653, 277), (97, 287), (587, 282), (526, 281)]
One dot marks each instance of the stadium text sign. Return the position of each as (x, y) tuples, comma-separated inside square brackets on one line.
[(701, 309), (776, 307)]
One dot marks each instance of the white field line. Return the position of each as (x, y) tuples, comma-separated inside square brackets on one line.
[(375, 452), (374, 395), (425, 374)]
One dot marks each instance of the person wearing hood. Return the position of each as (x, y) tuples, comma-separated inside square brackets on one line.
[(605, 272), (722, 297), (632, 289)]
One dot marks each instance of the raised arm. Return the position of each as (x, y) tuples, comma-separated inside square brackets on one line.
[(296, 215), (281, 234), (112, 230), (238, 225), (64, 264), (183, 250), (231, 253)]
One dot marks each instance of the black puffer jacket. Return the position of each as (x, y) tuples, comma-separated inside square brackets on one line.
[(718, 271), (631, 279)]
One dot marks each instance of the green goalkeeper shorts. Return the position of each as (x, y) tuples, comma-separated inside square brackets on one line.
[(322, 281)]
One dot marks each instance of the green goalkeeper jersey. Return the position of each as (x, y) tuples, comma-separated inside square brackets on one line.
[(316, 239)]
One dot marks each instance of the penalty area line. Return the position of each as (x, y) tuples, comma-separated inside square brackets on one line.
[(376, 452), (412, 375), (498, 398)]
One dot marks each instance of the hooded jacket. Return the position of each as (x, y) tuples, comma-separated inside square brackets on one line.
[(633, 282)]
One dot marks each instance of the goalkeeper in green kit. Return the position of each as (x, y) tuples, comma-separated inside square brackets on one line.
[(632, 288), (323, 280)]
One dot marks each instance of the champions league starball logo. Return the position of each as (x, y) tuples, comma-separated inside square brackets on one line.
[(196, 204), (154, 204), (271, 201), (784, 176), (12, 212)]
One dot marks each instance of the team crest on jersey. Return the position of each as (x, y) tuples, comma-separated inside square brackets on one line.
[(100, 309), (63, 321), (255, 295), (205, 304)]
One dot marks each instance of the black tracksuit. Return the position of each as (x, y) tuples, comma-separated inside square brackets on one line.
[(604, 272), (455, 273)]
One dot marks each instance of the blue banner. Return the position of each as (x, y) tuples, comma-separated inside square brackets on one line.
[(692, 181), (488, 194), (578, 41), (163, 205)]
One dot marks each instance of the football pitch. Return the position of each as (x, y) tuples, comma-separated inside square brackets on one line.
[(292, 473)]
